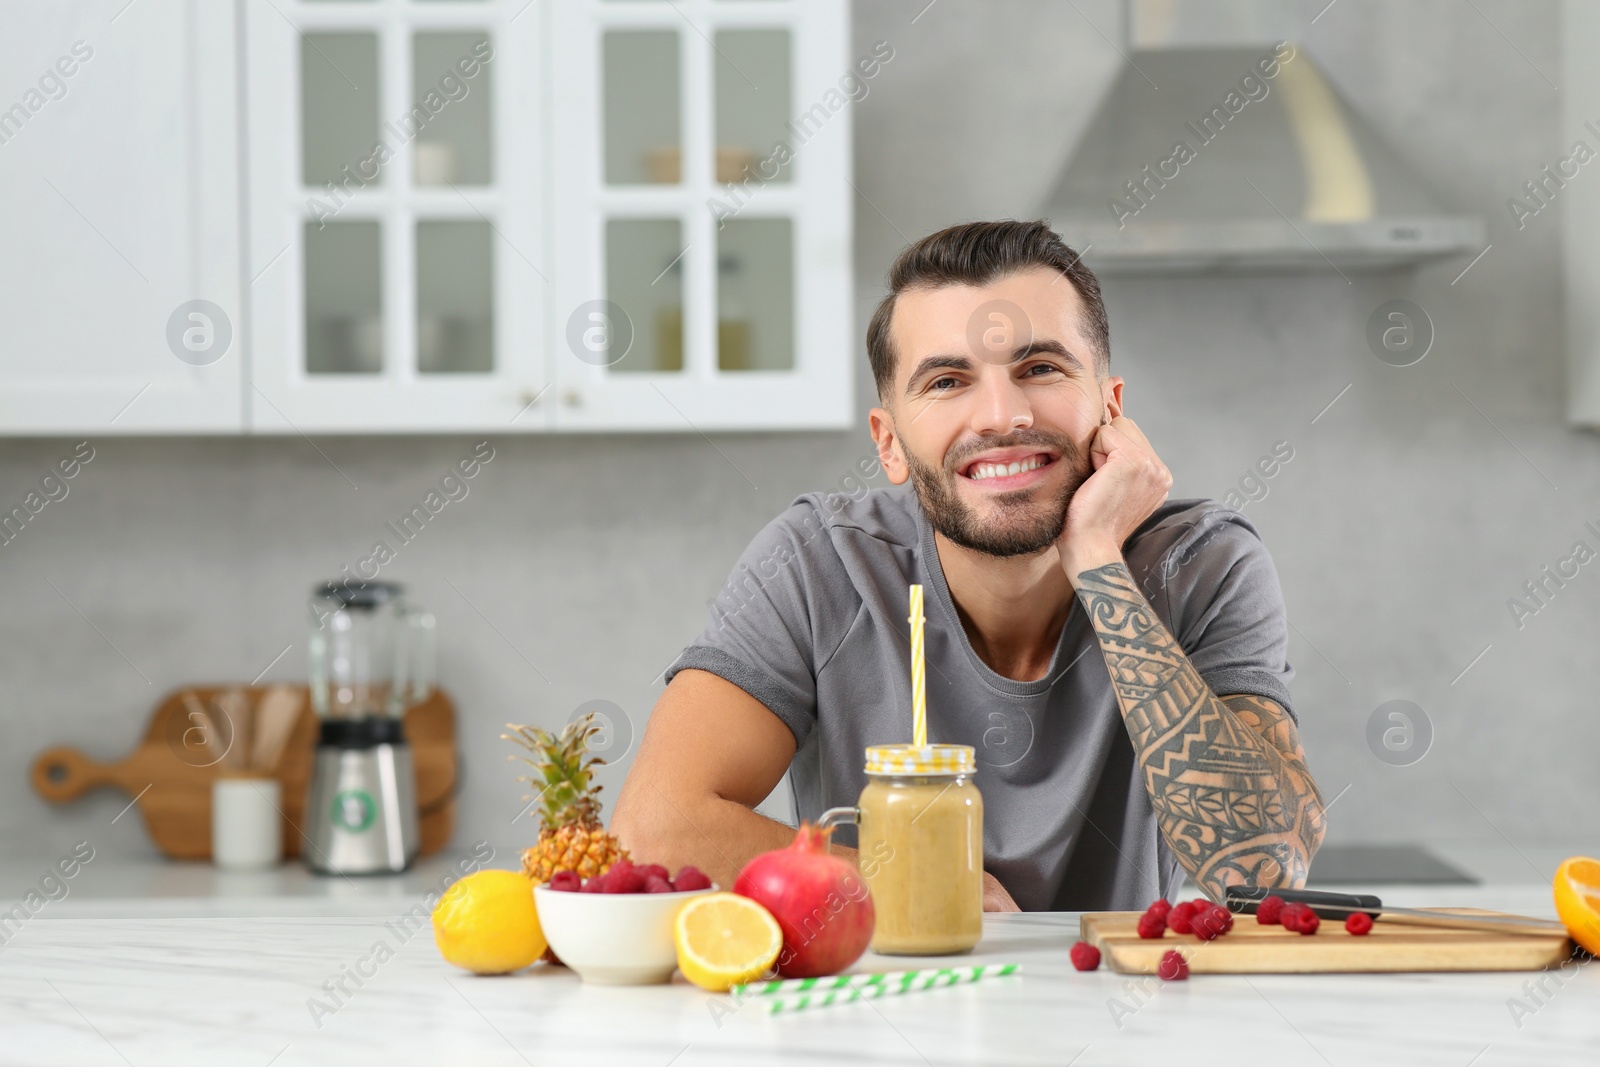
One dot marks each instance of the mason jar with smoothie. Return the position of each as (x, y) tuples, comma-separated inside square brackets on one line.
[(920, 824)]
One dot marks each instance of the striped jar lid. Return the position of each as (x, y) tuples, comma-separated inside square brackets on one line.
[(928, 759)]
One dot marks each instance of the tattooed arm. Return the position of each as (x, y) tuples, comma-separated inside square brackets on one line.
[(1226, 775)]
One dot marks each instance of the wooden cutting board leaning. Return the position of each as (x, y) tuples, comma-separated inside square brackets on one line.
[(1250, 948), (171, 771)]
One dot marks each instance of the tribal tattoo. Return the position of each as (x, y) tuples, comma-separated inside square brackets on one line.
[(1226, 775)]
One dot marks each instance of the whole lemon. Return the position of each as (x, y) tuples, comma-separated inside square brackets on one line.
[(487, 924)]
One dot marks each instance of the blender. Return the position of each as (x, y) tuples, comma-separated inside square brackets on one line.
[(371, 658)]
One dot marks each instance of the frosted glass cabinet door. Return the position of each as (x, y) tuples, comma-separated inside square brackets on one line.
[(752, 78), (755, 295), (339, 93), (456, 147), (343, 297), (703, 211), (644, 283), (643, 109), (396, 216), (119, 253), (455, 297)]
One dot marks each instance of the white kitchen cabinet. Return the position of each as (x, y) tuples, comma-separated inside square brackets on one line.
[(702, 213), (118, 171), (397, 206), (414, 216), (589, 267)]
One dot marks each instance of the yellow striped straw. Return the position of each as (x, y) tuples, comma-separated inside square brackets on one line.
[(919, 682)]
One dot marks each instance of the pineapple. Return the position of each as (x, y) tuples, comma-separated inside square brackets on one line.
[(571, 837)]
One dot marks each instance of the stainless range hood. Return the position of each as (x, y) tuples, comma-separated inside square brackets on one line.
[(1243, 159)]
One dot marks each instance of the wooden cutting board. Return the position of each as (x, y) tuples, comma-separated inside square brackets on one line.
[(1250, 948), (171, 776)]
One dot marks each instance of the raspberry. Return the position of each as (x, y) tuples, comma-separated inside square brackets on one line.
[(1161, 907), (1212, 922), (1151, 926), (624, 877), (1178, 917), (1173, 967), (690, 878), (1300, 919), (566, 881), (650, 870), (1270, 911), (1085, 956), (1358, 923), (657, 885), (597, 884)]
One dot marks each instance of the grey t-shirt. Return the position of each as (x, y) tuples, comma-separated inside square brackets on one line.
[(813, 624)]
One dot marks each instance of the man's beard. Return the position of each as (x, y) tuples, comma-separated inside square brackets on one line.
[(1026, 523)]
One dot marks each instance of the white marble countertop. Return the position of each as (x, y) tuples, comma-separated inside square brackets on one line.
[(185, 971)]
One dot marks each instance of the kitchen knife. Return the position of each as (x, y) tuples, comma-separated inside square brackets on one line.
[(1243, 900)]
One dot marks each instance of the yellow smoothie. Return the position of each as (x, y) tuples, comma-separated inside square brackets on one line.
[(921, 841)]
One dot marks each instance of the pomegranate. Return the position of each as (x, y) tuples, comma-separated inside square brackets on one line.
[(821, 902)]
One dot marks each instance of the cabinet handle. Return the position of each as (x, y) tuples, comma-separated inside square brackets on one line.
[(572, 398)]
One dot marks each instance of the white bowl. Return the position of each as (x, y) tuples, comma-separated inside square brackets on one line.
[(613, 938)]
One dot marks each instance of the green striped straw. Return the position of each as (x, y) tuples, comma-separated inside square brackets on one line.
[(799, 994)]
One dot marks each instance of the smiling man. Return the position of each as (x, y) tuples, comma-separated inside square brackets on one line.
[(1117, 660)]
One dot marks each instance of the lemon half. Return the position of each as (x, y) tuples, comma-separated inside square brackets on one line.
[(724, 939)]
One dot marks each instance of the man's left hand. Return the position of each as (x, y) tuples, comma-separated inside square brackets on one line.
[(1128, 484)]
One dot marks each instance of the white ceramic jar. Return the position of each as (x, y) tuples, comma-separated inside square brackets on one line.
[(246, 823)]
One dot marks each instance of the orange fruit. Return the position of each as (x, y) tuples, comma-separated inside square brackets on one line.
[(1577, 891)]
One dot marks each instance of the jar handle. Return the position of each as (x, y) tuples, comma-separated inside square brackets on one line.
[(834, 816)]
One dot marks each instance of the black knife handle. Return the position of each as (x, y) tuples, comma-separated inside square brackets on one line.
[(1242, 900)]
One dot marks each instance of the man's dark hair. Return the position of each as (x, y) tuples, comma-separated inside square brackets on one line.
[(976, 253)]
